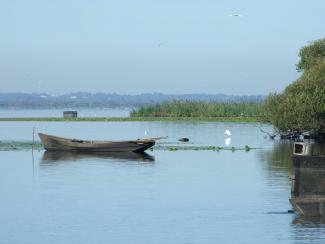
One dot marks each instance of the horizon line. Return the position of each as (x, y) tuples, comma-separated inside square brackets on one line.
[(130, 94)]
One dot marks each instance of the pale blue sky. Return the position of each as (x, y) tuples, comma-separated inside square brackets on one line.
[(165, 46)]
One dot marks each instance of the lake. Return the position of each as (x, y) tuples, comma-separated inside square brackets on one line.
[(163, 197), (45, 113)]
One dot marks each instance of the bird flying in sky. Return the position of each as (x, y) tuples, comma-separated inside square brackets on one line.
[(236, 15)]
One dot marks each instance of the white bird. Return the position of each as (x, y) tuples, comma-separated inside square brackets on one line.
[(145, 132), (227, 133), (236, 15)]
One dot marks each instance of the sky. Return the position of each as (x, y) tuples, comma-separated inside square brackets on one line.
[(169, 46)]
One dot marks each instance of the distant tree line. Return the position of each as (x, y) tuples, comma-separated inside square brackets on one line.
[(199, 109), (108, 100)]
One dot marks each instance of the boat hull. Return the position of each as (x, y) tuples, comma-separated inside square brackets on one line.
[(54, 143), (57, 156)]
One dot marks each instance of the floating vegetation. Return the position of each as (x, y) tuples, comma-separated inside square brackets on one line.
[(28, 145), (200, 148), (172, 149), (19, 145)]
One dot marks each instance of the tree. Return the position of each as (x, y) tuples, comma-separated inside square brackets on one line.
[(301, 106), (311, 55)]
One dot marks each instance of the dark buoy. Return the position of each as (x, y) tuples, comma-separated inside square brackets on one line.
[(184, 139)]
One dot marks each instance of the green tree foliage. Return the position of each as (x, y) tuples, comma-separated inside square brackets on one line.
[(301, 106), (311, 55), (198, 109)]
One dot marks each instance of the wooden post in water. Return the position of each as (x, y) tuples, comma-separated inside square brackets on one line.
[(33, 150), (33, 138)]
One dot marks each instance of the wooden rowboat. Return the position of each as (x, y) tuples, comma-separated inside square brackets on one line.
[(55, 143)]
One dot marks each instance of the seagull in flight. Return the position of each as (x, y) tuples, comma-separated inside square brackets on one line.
[(236, 15)]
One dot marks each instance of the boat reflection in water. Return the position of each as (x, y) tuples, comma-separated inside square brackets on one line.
[(308, 186), (61, 156)]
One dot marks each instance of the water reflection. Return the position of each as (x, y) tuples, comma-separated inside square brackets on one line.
[(61, 156), (308, 225), (228, 141), (279, 158), (308, 187)]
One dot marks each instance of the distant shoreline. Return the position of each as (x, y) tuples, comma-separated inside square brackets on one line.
[(133, 119), (86, 100)]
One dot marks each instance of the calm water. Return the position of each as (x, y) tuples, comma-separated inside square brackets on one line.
[(164, 197), (110, 112)]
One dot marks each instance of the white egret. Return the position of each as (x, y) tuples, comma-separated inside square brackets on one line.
[(227, 133)]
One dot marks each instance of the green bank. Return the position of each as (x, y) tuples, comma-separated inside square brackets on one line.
[(134, 119)]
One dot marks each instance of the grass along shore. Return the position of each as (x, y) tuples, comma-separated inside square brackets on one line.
[(134, 119), (194, 109), (173, 111)]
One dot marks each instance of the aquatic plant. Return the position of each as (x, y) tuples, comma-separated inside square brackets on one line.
[(247, 148), (194, 109), (19, 145), (28, 145)]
